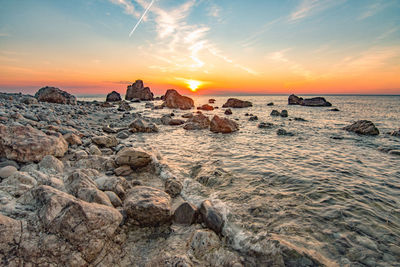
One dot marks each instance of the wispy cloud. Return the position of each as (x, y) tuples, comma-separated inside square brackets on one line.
[(128, 7), (293, 66), (374, 9), (310, 7)]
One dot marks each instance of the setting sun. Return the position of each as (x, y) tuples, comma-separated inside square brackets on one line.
[(193, 85)]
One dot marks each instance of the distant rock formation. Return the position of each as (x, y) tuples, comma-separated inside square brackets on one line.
[(55, 95), (172, 99), (138, 91), (311, 102), (237, 103), (113, 97), (363, 127)]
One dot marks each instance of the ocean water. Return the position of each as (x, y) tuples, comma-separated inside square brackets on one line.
[(324, 191)]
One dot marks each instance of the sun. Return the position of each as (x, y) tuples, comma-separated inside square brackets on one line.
[(193, 85)]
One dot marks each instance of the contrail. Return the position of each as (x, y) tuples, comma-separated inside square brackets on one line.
[(141, 18)]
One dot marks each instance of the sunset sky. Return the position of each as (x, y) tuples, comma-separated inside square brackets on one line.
[(221, 46)]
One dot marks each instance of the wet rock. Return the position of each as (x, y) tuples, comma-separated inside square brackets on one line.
[(149, 105), (237, 103), (211, 101), (185, 214), (228, 111), (265, 125), (334, 109), (113, 97), (148, 206), (253, 118), (132, 157), (115, 200), (197, 122), (284, 132), (187, 115), (7, 171), (26, 144), (395, 133), (105, 141), (299, 119), (270, 104), (18, 183), (124, 106), (394, 152), (205, 107), (137, 90), (165, 119), (203, 242), (311, 102), (173, 187), (211, 217), (284, 113), (362, 127), (142, 126), (108, 129), (275, 113), (94, 150), (175, 122), (51, 165), (72, 139), (295, 100), (55, 95), (173, 99), (28, 100), (223, 125)]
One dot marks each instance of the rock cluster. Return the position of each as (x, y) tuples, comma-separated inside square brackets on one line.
[(311, 102), (138, 91)]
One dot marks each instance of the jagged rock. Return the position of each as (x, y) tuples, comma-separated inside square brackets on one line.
[(173, 99), (311, 102), (186, 214), (205, 107), (72, 139), (363, 127), (132, 157), (228, 111), (203, 242), (28, 100), (55, 95), (51, 165), (197, 122), (105, 141), (137, 90), (142, 126), (148, 206), (18, 183), (26, 144), (295, 100), (124, 106), (284, 113), (173, 187), (237, 103), (7, 171), (113, 97), (223, 125), (211, 217), (275, 113)]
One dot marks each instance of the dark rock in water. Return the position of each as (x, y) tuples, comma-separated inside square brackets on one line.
[(142, 126), (173, 99), (137, 90), (198, 122), (211, 217), (275, 113), (394, 152), (135, 100), (173, 187), (299, 119), (206, 107), (334, 109), (113, 97), (311, 102), (186, 214), (335, 137), (253, 118), (149, 105), (284, 113), (284, 132), (223, 125), (265, 125), (55, 95), (187, 115), (124, 106), (228, 111), (211, 101), (363, 127), (174, 122), (270, 104), (165, 119), (237, 103), (395, 133)]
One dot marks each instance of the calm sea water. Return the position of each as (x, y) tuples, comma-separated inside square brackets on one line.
[(330, 193)]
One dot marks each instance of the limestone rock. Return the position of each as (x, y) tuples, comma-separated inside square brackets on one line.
[(113, 97), (105, 141), (223, 125), (237, 103), (362, 127), (132, 157), (211, 217), (148, 206), (173, 99), (55, 95), (137, 90), (26, 144)]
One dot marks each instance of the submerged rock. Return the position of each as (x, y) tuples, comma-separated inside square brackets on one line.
[(211, 217), (223, 125), (237, 103), (284, 113), (253, 118), (363, 127), (137, 90), (284, 132), (173, 99), (265, 125), (211, 101), (55, 95), (113, 97), (395, 133), (26, 144)]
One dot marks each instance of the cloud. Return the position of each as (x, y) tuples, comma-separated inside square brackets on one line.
[(296, 68), (129, 8), (373, 9), (310, 7)]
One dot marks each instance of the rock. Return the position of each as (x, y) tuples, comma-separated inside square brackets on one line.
[(7, 171), (81, 154), (137, 90), (123, 134), (142, 126), (186, 214), (72, 139), (51, 165), (55, 95), (94, 150), (299, 119), (26, 144), (211, 101), (18, 183), (148, 206), (237, 103), (223, 125), (175, 122), (211, 217), (253, 118), (187, 115), (165, 119), (362, 127), (132, 157), (265, 125), (311, 102), (284, 113), (124, 106), (10, 236), (334, 109), (124, 170), (115, 200), (173, 187), (205, 107), (284, 132), (173, 261), (173, 99), (197, 122), (275, 113), (9, 163), (228, 111), (203, 242), (394, 152), (295, 100), (118, 185), (28, 100), (105, 141), (395, 133), (270, 104), (113, 97), (149, 105)]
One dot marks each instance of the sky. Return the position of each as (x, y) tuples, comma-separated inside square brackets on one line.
[(201, 46)]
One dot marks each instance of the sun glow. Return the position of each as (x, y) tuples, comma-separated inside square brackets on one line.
[(193, 85)]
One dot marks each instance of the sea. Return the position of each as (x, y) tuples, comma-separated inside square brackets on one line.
[(324, 191)]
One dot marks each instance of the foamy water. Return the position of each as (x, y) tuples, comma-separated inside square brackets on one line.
[(330, 193)]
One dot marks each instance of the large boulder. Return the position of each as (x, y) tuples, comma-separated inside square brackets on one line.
[(132, 157), (26, 144), (172, 99), (138, 91), (55, 95), (148, 206), (223, 125), (363, 127), (237, 103), (113, 97), (310, 102), (197, 122)]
